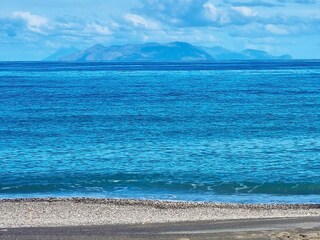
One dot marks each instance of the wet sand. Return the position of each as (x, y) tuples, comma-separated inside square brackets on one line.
[(79, 218), (254, 229)]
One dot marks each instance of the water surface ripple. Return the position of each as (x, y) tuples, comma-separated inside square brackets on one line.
[(222, 131)]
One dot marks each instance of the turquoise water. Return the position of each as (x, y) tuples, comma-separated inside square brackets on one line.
[(225, 131)]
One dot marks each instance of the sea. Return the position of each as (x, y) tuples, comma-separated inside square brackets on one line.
[(233, 131)]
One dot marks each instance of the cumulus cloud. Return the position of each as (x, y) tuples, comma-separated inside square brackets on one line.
[(28, 28), (33, 22), (196, 21), (245, 11), (194, 13), (99, 29), (210, 11), (77, 27), (231, 16), (164, 17), (23, 24), (278, 30), (140, 21), (181, 13), (214, 15)]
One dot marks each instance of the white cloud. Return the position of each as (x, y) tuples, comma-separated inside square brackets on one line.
[(210, 11), (245, 11), (193, 13), (34, 23), (181, 13), (98, 29), (140, 21), (114, 25), (216, 16), (195, 21), (276, 29)]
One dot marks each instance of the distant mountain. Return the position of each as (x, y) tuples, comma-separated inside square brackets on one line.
[(257, 54), (155, 52), (175, 52), (220, 53), (61, 53)]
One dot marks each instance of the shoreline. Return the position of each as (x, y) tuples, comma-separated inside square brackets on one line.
[(61, 212), (161, 203)]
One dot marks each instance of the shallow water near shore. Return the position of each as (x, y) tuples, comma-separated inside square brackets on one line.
[(219, 132)]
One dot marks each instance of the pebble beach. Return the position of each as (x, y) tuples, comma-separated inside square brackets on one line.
[(53, 212)]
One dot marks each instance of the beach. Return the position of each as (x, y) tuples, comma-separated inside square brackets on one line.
[(173, 218), (49, 212)]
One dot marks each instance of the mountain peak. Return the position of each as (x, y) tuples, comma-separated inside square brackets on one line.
[(180, 44), (97, 46), (60, 53)]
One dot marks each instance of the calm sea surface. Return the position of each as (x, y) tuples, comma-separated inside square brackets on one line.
[(226, 132)]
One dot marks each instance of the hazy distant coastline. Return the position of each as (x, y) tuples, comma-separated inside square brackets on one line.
[(174, 51)]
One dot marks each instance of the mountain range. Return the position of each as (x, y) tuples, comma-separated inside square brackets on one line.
[(156, 52)]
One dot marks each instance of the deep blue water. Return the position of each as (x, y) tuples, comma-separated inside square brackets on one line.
[(224, 131)]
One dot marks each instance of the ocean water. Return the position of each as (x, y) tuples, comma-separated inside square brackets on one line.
[(220, 132)]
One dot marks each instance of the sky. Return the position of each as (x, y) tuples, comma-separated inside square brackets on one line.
[(31, 30)]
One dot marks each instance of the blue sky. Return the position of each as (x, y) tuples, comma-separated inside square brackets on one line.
[(33, 29)]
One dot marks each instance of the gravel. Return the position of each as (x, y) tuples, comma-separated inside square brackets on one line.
[(51, 212)]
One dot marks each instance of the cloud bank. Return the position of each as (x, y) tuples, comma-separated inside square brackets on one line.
[(261, 24)]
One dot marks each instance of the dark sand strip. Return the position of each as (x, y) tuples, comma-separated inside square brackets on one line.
[(293, 228)]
